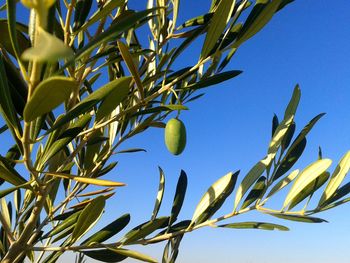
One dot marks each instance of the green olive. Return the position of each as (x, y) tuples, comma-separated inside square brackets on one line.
[(175, 136)]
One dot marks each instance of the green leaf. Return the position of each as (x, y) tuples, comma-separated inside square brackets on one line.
[(5, 212), (9, 174), (17, 86), (197, 21), (227, 59), (255, 225), (7, 108), (109, 231), (100, 14), (90, 101), (48, 48), (293, 103), (132, 254), (7, 191), (114, 30), (217, 25), (309, 174), (11, 16), (256, 192), (339, 193), (283, 183), (290, 159), (213, 80), (179, 197), (115, 97), (275, 124), (88, 217), (5, 40), (279, 135), (309, 189), (304, 132), (104, 255), (176, 4), (288, 137), (85, 180), (65, 215), (330, 206), (251, 177), (176, 227), (169, 107), (192, 36), (214, 197), (262, 15), (63, 139), (284, 3), (82, 9), (298, 218), (124, 51), (64, 233), (131, 150), (160, 193), (49, 94), (143, 230), (337, 177), (67, 223)]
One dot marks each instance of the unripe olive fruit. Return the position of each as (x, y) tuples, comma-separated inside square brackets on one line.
[(175, 136)]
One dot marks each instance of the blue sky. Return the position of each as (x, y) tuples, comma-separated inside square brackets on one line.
[(229, 129)]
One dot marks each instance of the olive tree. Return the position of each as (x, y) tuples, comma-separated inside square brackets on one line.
[(78, 80)]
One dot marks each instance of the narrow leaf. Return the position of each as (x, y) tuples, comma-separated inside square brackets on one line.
[(179, 197), (88, 217), (309, 174), (66, 223), (290, 159), (280, 133), (132, 254), (217, 25), (251, 177), (339, 193), (145, 229), (48, 95), (48, 48), (293, 103), (114, 30), (114, 98), (250, 28), (104, 255), (86, 180), (9, 174), (218, 191), (63, 139), (160, 193), (18, 40), (310, 189), (304, 132), (7, 191), (283, 183), (100, 14), (124, 51), (337, 177), (108, 231), (256, 192), (90, 101), (255, 225), (213, 80), (298, 218), (275, 124)]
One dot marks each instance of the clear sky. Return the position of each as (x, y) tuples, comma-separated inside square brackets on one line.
[(230, 127)]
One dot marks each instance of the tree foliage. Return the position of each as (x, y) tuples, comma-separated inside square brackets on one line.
[(78, 80)]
